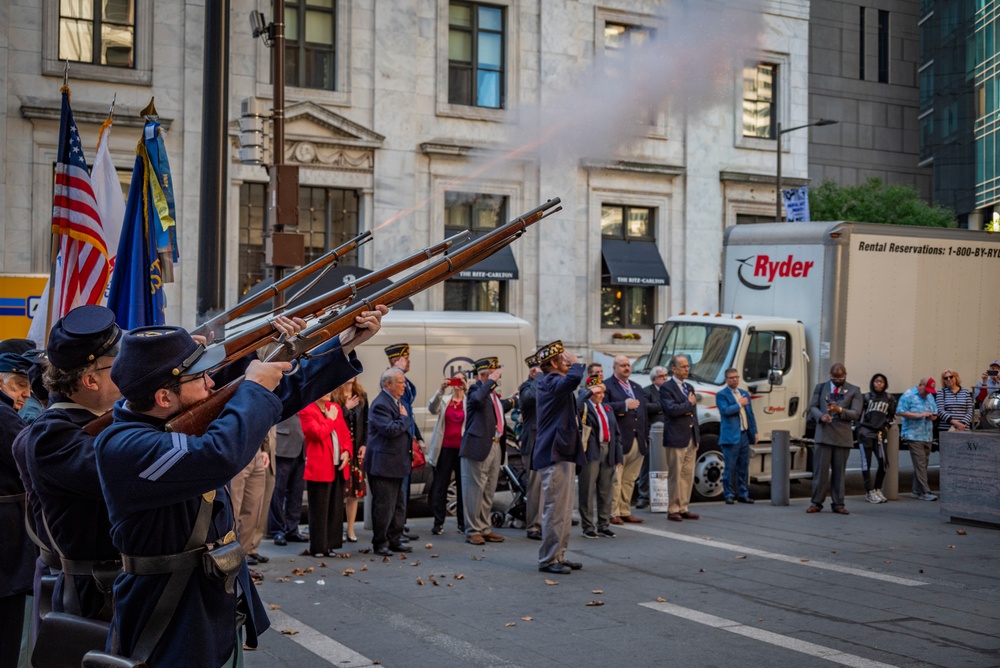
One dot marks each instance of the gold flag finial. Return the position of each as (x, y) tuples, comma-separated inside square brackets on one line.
[(150, 110)]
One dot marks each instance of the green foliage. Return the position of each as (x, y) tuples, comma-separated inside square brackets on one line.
[(873, 202)]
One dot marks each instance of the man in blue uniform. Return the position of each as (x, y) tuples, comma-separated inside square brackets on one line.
[(399, 358), (17, 553), (558, 452), (177, 603)]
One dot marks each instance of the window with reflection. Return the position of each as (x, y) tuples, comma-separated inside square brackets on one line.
[(619, 38), (759, 98), (477, 213), (626, 305), (97, 32), (476, 54), (310, 44)]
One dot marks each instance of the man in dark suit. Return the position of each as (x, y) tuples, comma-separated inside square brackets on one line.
[(482, 450), (286, 503), (387, 462), (399, 358), (628, 403), (604, 458), (835, 405), (681, 437), (533, 488), (737, 432), (654, 414)]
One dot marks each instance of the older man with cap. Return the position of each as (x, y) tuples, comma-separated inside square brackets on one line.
[(177, 603), (558, 452), (17, 553), (482, 450), (533, 489), (35, 403), (58, 455), (399, 358)]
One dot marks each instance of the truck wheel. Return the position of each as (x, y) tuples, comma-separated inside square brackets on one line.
[(708, 469), (451, 502)]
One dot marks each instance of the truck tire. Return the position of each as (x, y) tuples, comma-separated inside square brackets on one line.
[(708, 469)]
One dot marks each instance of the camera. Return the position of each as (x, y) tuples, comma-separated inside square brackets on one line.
[(992, 372), (455, 382)]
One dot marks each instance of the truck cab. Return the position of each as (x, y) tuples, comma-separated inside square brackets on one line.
[(770, 355)]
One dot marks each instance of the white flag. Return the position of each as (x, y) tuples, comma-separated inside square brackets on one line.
[(108, 194)]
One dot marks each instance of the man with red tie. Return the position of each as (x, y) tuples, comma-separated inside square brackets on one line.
[(604, 456), (627, 401), (482, 450)]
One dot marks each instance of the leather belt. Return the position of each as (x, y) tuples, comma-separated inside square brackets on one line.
[(49, 558), (12, 498), (164, 563), (89, 567)]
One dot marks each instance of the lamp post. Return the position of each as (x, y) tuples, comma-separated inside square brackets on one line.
[(777, 135)]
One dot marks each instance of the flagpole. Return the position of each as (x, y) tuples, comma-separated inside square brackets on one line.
[(54, 248)]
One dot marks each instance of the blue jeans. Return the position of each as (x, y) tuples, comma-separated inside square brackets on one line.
[(737, 462)]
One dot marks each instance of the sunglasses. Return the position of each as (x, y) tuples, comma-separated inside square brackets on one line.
[(947, 377)]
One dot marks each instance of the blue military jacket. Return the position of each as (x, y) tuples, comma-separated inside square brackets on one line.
[(17, 552), (481, 421), (153, 481), (388, 453), (615, 450), (558, 435), (60, 460)]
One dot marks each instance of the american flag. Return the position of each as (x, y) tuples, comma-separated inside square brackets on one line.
[(83, 272)]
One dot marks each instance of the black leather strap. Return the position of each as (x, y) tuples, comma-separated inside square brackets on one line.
[(163, 564), (88, 567)]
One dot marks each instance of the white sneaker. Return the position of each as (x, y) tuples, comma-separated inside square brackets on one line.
[(881, 496), (928, 497), (872, 497)]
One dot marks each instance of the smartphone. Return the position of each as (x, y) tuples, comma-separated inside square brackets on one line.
[(992, 372), (455, 382)]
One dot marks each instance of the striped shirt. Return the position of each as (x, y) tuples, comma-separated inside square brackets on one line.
[(954, 406)]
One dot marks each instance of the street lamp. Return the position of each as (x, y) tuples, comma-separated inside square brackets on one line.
[(777, 195)]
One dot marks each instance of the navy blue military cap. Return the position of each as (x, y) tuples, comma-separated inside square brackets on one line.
[(17, 346), (153, 356), (81, 336), (14, 363)]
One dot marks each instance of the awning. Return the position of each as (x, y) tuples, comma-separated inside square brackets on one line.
[(500, 266), (634, 263)]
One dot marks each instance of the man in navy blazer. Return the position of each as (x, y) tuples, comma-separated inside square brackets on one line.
[(835, 405), (737, 432), (387, 462), (628, 402), (482, 450), (681, 437), (604, 458)]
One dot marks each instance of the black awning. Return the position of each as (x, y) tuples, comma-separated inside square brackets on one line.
[(634, 263), (501, 266)]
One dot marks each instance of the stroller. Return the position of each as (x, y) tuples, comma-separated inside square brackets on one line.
[(515, 478)]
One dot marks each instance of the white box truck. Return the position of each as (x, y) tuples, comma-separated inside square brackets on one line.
[(904, 301)]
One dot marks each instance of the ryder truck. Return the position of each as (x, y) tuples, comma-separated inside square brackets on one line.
[(905, 301)]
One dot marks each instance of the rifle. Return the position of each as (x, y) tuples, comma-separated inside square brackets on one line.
[(214, 328), (196, 419)]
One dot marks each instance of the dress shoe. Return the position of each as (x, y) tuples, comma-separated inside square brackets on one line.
[(399, 547), (534, 535), (296, 538), (814, 509), (279, 539), (575, 522), (607, 533), (437, 531), (642, 505), (590, 534), (475, 539), (842, 511), (690, 516), (493, 537), (252, 560), (574, 565), (632, 519), (745, 499), (351, 539), (383, 552), (675, 517), (259, 558), (730, 500), (555, 568), (617, 520), (410, 536)]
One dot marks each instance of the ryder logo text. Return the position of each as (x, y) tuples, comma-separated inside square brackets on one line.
[(765, 270)]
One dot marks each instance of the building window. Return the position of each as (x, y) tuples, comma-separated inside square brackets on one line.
[(310, 44), (477, 213), (759, 98), (328, 217), (626, 305), (883, 46), (619, 39), (98, 33), (253, 213), (476, 45)]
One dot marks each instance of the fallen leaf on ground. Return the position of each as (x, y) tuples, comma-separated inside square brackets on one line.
[(551, 583), (420, 581), (415, 563), (592, 604), (348, 571), (951, 547), (804, 561), (305, 553), (282, 579), (701, 570), (433, 581), (511, 624), (275, 606), (742, 556), (961, 532), (660, 599), (760, 619), (434, 556), (475, 558), (459, 577), (596, 591), (298, 571), (451, 584), (429, 545), (527, 619), (365, 567), (386, 560), (402, 556), (289, 632), (887, 561), (310, 569), (364, 550), (322, 564)]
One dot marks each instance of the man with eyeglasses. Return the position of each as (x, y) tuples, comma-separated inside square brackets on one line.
[(186, 590), (835, 405), (918, 409)]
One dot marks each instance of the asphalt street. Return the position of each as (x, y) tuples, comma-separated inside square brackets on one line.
[(893, 584)]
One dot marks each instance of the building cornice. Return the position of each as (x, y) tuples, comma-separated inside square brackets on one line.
[(50, 109), (747, 177)]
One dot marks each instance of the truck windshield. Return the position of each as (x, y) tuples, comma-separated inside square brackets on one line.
[(711, 348)]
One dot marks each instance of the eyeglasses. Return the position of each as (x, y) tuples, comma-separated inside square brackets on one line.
[(102, 368), (947, 377), (203, 376), (838, 378), (659, 376)]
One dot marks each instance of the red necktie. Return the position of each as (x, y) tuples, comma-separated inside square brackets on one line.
[(605, 437), (498, 411)]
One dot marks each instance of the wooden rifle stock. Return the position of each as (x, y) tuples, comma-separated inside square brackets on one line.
[(195, 420), (99, 423), (215, 327)]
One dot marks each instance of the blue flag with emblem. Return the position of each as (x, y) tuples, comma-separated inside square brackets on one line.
[(148, 245)]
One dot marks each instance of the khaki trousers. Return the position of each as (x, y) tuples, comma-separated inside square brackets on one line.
[(625, 481), (680, 476)]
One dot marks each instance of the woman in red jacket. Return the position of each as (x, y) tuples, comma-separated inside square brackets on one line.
[(328, 454)]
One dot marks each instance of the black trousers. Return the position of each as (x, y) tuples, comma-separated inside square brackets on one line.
[(12, 614), (448, 462), (326, 514), (388, 510), (285, 511)]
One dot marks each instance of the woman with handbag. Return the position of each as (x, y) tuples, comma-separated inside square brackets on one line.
[(353, 402), (442, 453), (328, 454)]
